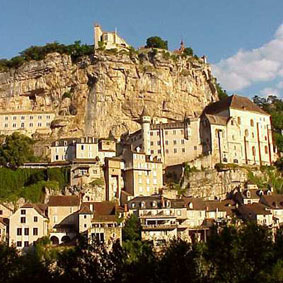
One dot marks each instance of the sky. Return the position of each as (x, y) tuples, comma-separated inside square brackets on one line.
[(242, 39)]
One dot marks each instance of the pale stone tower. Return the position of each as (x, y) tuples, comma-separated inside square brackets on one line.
[(145, 123), (97, 35)]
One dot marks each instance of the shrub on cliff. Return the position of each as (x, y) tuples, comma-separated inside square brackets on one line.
[(156, 42)]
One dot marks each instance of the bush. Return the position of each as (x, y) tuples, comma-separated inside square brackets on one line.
[(188, 51), (67, 94), (156, 42)]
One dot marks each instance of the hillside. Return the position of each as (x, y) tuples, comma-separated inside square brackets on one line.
[(106, 92)]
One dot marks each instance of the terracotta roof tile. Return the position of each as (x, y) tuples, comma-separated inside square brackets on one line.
[(64, 201)]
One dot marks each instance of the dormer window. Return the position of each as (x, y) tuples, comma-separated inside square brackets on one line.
[(248, 194), (168, 203), (154, 204), (142, 204), (133, 205)]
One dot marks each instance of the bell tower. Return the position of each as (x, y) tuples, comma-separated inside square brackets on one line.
[(145, 123)]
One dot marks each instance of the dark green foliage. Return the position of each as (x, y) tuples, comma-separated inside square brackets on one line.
[(236, 255), (37, 53), (16, 150), (274, 106), (132, 229), (188, 51), (29, 183), (156, 42), (221, 93), (67, 95), (279, 164)]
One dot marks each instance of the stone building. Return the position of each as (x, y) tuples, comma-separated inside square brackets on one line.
[(27, 225), (275, 204), (110, 40), (235, 130), (26, 122), (143, 174), (63, 218), (99, 222), (173, 143)]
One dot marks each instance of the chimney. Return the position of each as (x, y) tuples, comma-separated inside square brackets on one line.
[(125, 207)]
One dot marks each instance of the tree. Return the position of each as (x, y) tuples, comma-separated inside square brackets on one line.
[(132, 229), (188, 51), (16, 150), (222, 94), (156, 42)]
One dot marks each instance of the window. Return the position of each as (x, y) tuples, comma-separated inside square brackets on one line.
[(183, 150), (175, 150), (151, 143), (174, 132), (26, 243), (14, 118), (166, 133), (1, 212), (175, 142), (254, 151), (47, 117), (31, 124), (182, 141), (195, 147), (23, 118), (252, 122), (266, 149), (159, 151), (6, 125), (26, 231), (233, 137), (166, 142), (35, 231), (31, 117), (232, 122), (167, 150), (179, 212), (158, 133), (22, 125), (151, 133), (246, 133), (239, 120), (39, 117), (6, 118), (23, 211), (19, 244), (19, 231), (39, 124), (253, 135), (82, 147), (158, 143), (35, 219), (182, 132), (152, 151), (23, 220), (14, 125)]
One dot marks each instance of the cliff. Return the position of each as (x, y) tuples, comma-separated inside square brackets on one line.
[(106, 92)]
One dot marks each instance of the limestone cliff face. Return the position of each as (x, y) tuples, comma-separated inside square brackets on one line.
[(107, 91)]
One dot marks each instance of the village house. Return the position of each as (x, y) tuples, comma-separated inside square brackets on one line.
[(143, 174), (235, 130), (99, 222), (172, 143), (63, 218), (274, 203), (256, 212), (27, 224), (161, 218), (4, 225), (26, 122)]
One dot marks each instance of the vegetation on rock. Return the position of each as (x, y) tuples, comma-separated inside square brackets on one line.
[(16, 150), (156, 42)]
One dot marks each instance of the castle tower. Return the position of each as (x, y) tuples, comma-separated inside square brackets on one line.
[(97, 35), (186, 126), (145, 123)]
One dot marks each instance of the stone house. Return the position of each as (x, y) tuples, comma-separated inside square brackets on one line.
[(161, 219), (99, 221), (27, 224), (143, 174), (26, 122), (4, 225), (257, 213), (172, 143), (275, 203), (235, 130), (63, 218)]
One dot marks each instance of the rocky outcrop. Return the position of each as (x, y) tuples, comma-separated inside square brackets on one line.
[(106, 92)]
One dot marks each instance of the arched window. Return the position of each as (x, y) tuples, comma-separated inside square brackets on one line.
[(253, 150), (239, 120), (266, 149), (252, 122), (246, 133)]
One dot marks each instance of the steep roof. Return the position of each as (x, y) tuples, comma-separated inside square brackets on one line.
[(274, 201), (256, 208), (64, 201), (217, 120), (235, 102), (39, 207)]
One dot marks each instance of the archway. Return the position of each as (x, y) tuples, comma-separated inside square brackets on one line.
[(54, 240), (66, 239)]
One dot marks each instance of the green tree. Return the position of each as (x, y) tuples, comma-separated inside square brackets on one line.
[(16, 150), (156, 42), (222, 94), (188, 51)]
